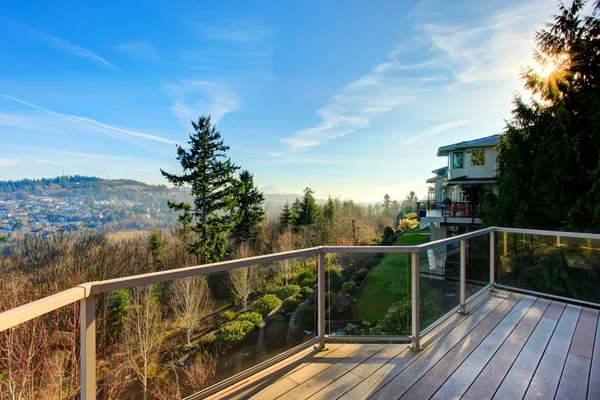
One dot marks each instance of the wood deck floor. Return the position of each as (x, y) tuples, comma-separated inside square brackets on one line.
[(509, 346)]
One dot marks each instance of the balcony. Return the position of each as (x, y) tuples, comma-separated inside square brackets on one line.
[(455, 212), (490, 314)]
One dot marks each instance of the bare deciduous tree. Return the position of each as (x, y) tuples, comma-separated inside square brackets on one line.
[(192, 301), (243, 281), (341, 301), (143, 336), (286, 243)]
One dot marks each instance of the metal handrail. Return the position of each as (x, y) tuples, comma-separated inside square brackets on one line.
[(86, 293)]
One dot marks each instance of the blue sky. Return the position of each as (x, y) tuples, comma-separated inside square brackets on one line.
[(350, 98)]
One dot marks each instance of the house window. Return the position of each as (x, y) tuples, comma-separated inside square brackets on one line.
[(477, 158), (457, 160)]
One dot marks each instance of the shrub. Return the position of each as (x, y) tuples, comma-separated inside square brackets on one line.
[(397, 321), (266, 304), (404, 224), (360, 275), (350, 288), (334, 275), (290, 304), (410, 216), (388, 232), (234, 331), (276, 318), (228, 315), (253, 317), (306, 277), (287, 291), (306, 292)]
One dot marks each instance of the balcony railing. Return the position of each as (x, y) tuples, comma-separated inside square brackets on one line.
[(458, 209), (471, 263)]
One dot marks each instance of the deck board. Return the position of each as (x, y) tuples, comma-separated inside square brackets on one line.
[(508, 346)]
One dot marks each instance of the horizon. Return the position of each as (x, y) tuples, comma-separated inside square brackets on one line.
[(360, 95)]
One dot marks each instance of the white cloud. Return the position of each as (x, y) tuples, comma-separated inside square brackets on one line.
[(192, 98), (68, 47), (7, 162), (140, 50), (238, 32), (48, 162), (56, 121), (436, 130)]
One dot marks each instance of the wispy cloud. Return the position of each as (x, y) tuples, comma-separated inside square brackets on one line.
[(82, 124), (140, 50), (236, 32), (47, 162), (67, 47), (8, 162), (436, 130), (195, 97), (360, 101)]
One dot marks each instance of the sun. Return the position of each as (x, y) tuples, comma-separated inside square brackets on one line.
[(544, 66)]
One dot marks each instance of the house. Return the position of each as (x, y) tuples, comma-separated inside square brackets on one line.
[(455, 197)]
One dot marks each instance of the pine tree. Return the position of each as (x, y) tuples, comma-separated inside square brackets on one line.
[(329, 210), (548, 172), (286, 217), (308, 212), (248, 210), (210, 173)]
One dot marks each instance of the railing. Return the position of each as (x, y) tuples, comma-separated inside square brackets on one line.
[(458, 209), (490, 254)]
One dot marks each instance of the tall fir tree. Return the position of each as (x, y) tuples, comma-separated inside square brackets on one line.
[(210, 173), (286, 217), (248, 210), (549, 168), (308, 209)]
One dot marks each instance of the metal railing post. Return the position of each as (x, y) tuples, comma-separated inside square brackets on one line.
[(416, 302), (321, 300), (492, 259), (87, 320), (463, 277)]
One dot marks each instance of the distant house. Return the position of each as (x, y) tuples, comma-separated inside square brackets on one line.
[(455, 197)]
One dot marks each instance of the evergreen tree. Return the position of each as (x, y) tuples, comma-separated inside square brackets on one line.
[(329, 210), (156, 248), (210, 173), (549, 170), (286, 217), (248, 210), (308, 210)]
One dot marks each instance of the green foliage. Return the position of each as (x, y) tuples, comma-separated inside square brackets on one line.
[(397, 320), (388, 232), (253, 317), (276, 318), (329, 210), (119, 302), (156, 248), (228, 315), (306, 277), (249, 210), (286, 291), (266, 304), (409, 204), (410, 216), (350, 288), (333, 274), (306, 292), (548, 171), (210, 173), (234, 331), (286, 217), (306, 209), (290, 304)]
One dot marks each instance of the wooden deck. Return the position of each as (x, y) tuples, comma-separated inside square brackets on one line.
[(509, 346)]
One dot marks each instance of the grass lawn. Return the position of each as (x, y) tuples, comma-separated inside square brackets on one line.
[(389, 281)]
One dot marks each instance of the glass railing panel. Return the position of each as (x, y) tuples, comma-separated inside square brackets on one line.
[(368, 294), (179, 337), (478, 263), (39, 359), (557, 265), (439, 282)]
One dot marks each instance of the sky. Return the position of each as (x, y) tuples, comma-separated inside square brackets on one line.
[(350, 98)]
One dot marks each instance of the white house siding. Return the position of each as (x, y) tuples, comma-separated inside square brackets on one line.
[(486, 171)]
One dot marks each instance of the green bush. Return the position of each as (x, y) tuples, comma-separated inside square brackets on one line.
[(266, 304), (412, 215), (388, 233), (334, 276), (290, 304), (287, 291), (397, 320), (306, 292), (253, 317), (228, 315), (234, 331), (350, 288), (119, 302), (306, 277), (276, 318)]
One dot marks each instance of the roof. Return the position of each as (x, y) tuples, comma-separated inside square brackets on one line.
[(440, 171), (488, 141)]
